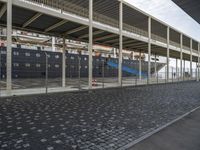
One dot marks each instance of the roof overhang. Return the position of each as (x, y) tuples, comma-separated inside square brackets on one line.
[(191, 7)]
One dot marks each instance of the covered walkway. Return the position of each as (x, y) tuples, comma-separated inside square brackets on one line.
[(107, 22)]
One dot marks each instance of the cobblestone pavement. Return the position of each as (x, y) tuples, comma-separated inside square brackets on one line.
[(100, 120)]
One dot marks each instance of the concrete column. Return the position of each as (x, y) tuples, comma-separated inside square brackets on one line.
[(176, 68), (184, 70), (181, 56), (120, 42), (9, 47), (168, 30), (155, 66), (64, 64), (198, 73), (149, 51), (53, 44), (90, 46), (191, 59), (140, 66)]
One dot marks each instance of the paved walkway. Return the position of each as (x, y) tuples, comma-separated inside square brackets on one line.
[(100, 120), (182, 135)]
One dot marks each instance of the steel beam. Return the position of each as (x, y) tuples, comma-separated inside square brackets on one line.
[(9, 48), (55, 25), (36, 16), (149, 51), (120, 42), (105, 37), (75, 30), (94, 33), (111, 41), (90, 46)]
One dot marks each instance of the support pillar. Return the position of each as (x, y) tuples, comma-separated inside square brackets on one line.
[(120, 42), (184, 70), (140, 66), (53, 44), (198, 73), (63, 64), (168, 53), (149, 51), (155, 66), (191, 59), (176, 68), (90, 46), (9, 48), (181, 56)]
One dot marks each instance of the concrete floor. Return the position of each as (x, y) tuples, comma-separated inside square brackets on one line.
[(182, 135)]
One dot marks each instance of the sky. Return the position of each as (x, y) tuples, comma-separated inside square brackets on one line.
[(169, 12)]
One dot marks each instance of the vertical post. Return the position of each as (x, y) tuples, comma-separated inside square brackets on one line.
[(149, 51), (103, 73), (79, 71), (140, 66), (90, 42), (46, 72), (63, 63), (198, 63), (9, 47), (176, 68), (155, 65), (172, 74), (168, 30), (53, 44), (196, 71), (191, 73), (120, 42), (184, 70), (181, 56)]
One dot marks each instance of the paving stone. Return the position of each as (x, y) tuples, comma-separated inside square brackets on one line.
[(106, 119)]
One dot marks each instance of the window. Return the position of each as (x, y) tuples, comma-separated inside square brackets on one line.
[(85, 58), (38, 65), (27, 65), (56, 56), (56, 66), (49, 65), (86, 67), (38, 55), (97, 60), (3, 52), (48, 55), (16, 65), (15, 53), (72, 57), (27, 54)]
